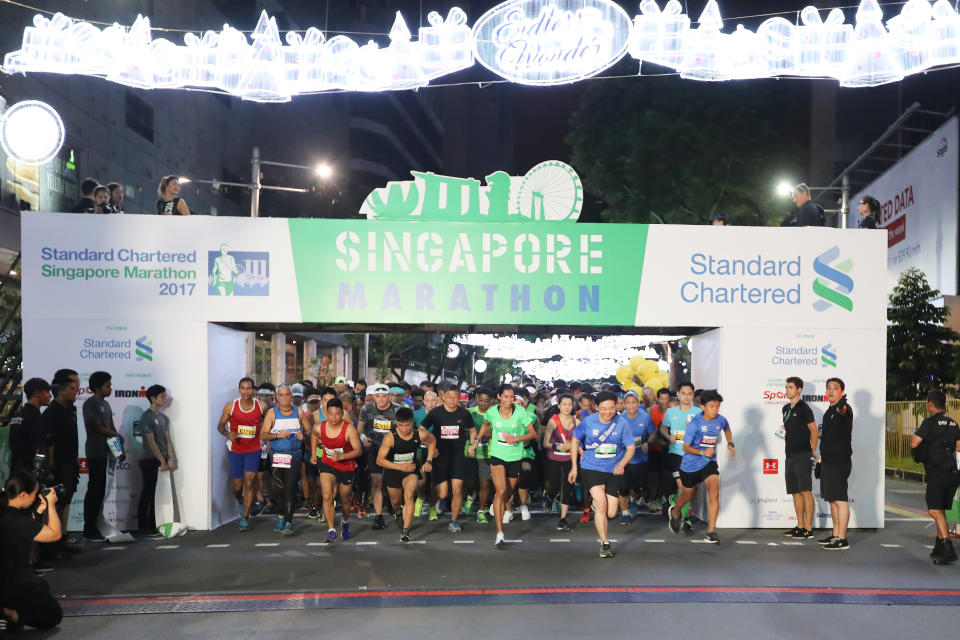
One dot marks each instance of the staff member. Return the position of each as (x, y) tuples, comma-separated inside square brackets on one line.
[(936, 443), (800, 441), (836, 458)]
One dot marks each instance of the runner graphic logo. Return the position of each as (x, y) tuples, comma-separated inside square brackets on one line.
[(238, 273), (832, 284)]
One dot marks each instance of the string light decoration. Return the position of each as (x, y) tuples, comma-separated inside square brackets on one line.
[(534, 42)]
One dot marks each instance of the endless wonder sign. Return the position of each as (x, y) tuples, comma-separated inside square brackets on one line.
[(535, 42)]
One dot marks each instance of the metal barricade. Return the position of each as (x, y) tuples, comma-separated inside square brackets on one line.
[(902, 420)]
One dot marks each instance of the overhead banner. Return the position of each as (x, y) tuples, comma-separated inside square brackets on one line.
[(530, 273), (919, 209)]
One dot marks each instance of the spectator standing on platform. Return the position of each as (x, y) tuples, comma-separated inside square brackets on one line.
[(808, 213), (170, 202), (869, 208), (101, 197), (115, 201), (85, 203)]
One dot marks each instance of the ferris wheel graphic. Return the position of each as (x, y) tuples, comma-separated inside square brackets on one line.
[(550, 191)]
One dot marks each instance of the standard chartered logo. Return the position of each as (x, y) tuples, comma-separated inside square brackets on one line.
[(832, 285), (828, 356), (144, 349)]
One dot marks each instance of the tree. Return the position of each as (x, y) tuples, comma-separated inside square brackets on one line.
[(922, 352), (672, 150)]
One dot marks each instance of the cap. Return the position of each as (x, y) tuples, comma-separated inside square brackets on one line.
[(378, 388), (632, 393), (464, 396), (350, 383), (396, 389), (296, 389), (313, 397), (265, 391), (531, 390), (340, 380)]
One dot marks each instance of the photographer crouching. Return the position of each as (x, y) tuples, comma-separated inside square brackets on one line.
[(27, 515)]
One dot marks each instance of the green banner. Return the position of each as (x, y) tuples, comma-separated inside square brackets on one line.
[(468, 273)]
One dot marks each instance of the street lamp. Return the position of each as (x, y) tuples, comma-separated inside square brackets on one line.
[(324, 170)]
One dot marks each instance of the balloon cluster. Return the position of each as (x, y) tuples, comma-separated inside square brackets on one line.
[(642, 373)]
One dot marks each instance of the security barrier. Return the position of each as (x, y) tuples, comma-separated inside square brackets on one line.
[(903, 418)]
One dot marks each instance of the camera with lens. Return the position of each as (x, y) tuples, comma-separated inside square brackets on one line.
[(57, 489)]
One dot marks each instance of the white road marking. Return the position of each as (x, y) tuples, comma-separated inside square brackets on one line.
[(610, 540), (416, 542), (699, 541), (463, 542), (514, 541), (889, 519), (167, 546), (317, 544), (217, 546), (112, 548), (928, 546), (366, 543), (891, 546), (793, 544), (746, 542), (654, 540), (559, 539), (267, 544), (771, 544)]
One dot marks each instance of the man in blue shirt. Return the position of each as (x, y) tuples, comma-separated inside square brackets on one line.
[(699, 463), (635, 477), (677, 418), (608, 445)]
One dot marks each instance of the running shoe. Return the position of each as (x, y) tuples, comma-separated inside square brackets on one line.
[(405, 535), (524, 512), (507, 516), (345, 531), (672, 500), (687, 526), (557, 507), (837, 544), (305, 507), (792, 533), (585, 517), (331, 536), (625, 519), (240, 508), (655, 507), (398, 520), (605, 550), (245, 525), (278, 525), (378, 523), (454, 527), (439, 507), (433, 513), (287, 529), (258, 507), (361, 511), (491, 510), (500, 541), (562, 525), (418, 507), (674, 522), (805, 533), (94, 536), (482, 516), (41, 568), (712, 537), (827, 540), (270, 509), (314, 513), (322, 517), (468, 506)]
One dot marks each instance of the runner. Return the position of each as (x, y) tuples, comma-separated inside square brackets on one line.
[(635, 476), (659, 410), (244, 417), (377, 419), (283, 429), (676, 419), (557, 440), (452, 424), (484, 401), (507, 427), (430, 401), (397, 457), (318, 414), (337, 444), (700, 461), (608, 445)]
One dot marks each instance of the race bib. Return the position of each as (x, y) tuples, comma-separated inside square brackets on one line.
[(708, 441), (502, 440), (329, 452), (606, 450), (403, 458), (450, 432), (282, 460), (382, 426), (246, 431)]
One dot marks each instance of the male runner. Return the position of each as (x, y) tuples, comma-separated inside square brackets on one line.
[(659, 410), (635, 476), (284, 427), (607, 442), (452, 424), (699, 465), (377, 419), (240, 424), (800, 441), (677, 419), (336, 445), (484, 398), (401, 470)]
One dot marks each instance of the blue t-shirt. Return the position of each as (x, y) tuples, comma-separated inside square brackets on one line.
[(640, 429), (419, 415), (702, 434), (603, 455), (677, 420)]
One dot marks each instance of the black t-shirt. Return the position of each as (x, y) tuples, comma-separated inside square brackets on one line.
[(18, 528), (452, 430), (939, 432), (26, 437), (83, 205), (60, 426), (837, 436), (868, 222), (797, 433)]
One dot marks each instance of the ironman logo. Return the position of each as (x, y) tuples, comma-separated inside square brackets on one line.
[(833, 284)]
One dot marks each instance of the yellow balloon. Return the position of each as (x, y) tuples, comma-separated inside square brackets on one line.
[(632, 386), (647, 370), (636, 361), (624, 374), (663, 381)]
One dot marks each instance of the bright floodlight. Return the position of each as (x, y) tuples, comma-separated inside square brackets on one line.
[(480, 366), (183, 180), (324, 171), (453, 350), (784, 188), (31, 132)]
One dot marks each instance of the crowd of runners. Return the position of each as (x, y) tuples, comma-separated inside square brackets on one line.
[(481, 454)]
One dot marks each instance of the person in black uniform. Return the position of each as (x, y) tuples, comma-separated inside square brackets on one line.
[(836, 462), (26, 430), (936, 443), (452, 424), (800, 441), (869, 208), (401, 471), (808, 213)]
